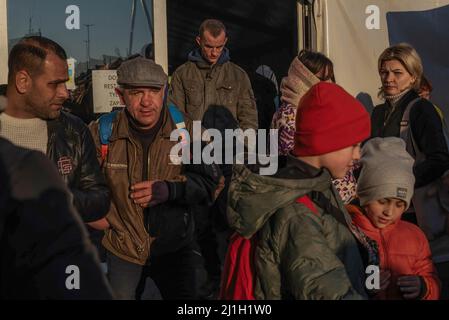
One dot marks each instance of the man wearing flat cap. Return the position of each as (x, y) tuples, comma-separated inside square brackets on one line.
[(151, 226)]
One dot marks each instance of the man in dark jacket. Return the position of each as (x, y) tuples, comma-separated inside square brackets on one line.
[(151, 224), (44, 250), (33, 119)]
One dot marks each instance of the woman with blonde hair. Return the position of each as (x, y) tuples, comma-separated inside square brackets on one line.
[(405, 114)]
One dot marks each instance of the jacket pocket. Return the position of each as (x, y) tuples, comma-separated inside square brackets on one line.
[(194, 94), (227, 95), (124, 243), (117, 239), (115, 166), (114, 173)]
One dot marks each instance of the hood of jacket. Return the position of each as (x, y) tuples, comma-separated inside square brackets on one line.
[(254, 198), (197, 57)]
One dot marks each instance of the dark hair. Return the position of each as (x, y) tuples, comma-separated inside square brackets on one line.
[(425, 84), (215, 27), (30, 53), (3, 89), (316, 62)]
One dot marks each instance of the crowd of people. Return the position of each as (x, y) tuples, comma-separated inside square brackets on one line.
[(352, 190)]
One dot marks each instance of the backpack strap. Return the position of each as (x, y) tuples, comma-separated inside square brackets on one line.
[(405, 121), (405, 132), (444, 124), (305, 200), (105, 131), (177, 116), (178, 119)]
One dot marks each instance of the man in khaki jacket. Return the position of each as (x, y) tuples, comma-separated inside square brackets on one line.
[(210, 88), (209, 78), (151, 231)]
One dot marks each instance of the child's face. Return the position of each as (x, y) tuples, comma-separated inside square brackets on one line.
[(384, 212), (339, 162)]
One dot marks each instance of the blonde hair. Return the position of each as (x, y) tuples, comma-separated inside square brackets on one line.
[(408, 57)]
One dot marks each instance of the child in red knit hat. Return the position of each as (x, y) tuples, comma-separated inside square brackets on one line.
[(307, 247)]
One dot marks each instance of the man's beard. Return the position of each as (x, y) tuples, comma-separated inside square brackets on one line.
[(44, 112)]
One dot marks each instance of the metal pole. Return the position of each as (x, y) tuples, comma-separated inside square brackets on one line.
[(147, 14), (133, 18), (87, 55), (88, 44)]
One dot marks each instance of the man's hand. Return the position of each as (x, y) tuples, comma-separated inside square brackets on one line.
[(149, 193), (410, 286)]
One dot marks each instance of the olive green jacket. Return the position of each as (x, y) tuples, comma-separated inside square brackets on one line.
[(299, 254), (196, 85)]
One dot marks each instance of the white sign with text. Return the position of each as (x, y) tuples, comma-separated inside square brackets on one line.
[(103, 84)]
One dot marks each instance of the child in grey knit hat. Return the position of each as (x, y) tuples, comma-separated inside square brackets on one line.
[(385, 189)]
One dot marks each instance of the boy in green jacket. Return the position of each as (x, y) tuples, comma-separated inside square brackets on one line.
[(303, 253)]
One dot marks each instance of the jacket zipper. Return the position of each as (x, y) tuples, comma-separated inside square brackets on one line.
[(148, 163), (384, 244), (387, 118), (205, 95), (148, 262), (139, 208), (133, 167), (49, 143)]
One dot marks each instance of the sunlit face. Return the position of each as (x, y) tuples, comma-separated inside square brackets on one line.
[(384, 212), (339, 162), (395, 78), (47, 91), (143, 103), (211, 47)]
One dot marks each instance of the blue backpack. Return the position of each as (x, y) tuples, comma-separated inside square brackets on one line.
[(106, 123)]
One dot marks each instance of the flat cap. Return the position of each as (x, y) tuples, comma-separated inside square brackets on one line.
[(141, 72)]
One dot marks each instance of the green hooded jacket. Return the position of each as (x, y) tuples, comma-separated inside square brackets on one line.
[(299, 254)]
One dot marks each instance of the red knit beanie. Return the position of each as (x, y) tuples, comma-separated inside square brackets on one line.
[(329, 119)]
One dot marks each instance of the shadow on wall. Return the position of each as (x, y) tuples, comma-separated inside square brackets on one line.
[(366, 100)]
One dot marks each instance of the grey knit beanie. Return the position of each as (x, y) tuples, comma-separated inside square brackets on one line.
[(387, 171)]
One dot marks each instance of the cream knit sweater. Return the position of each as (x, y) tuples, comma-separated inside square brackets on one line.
[(26, 133)]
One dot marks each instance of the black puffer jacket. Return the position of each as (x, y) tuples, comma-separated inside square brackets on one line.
[(72, 149), (41, 234), (427, 129)]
